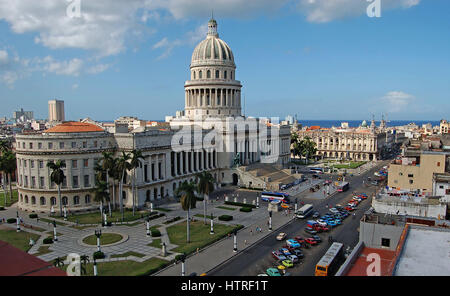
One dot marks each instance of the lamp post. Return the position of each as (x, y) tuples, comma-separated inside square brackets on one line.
[(98, 234), (148, 226), (183, 259), (235, 241), (105, 217), (257, 201), (212, 224), (95, 267), (65, 213), (17, 221), (151, 207), (270, 221), (55, 238)]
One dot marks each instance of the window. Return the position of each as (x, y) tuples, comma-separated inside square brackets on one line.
[(33, 200), (95, 144), (23, 145), (84, 144), (74, 164), (200, 74), (76, 200), (86, 181), (439, 164), (86, 163), (53, 201), (41, 182), (208, 74), (87, 199), (385, 242), (217, 73), (64, 200), (225, 75), (24, 163), (75, 181), (32, 164), (42, 201), (74, 144), (194, 74), (447, 191), (50, 145), (410, 175), (33, 182), (41, 164), (39, 145), (411, 181), (61, 145)]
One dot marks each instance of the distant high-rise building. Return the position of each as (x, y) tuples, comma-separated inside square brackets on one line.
[(56, 110), (27, 115)]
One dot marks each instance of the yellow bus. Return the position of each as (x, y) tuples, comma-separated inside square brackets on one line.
[(331, 261)]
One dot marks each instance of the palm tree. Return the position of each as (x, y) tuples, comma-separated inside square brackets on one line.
[(84, 259), (205, 186), (114, 175), (296, 145), (123, 166), (58, 262), (107, 166), (5, 145), (308, 148), (2, 170), (188, 200), (57, 176), (135, 162), (10, 166), (100, 194)]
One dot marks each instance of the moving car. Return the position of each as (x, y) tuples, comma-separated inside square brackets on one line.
[(273, 272), (281, 236)]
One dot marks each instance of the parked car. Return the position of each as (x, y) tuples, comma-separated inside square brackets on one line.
[(310, 230), (278, 255), (334, 210), (321, 228), (292, 243), (285, 251), (293, 258), (273, 272), (317, 238), (281, 236), (287, 263), (298, 253), (299, 239), (316, 215), (310, 241), (321, 222)]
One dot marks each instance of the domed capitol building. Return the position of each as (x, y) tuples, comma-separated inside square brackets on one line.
[(210, 134)]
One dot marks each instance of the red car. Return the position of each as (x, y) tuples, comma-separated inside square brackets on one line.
[(311, 241), (349, 208), (362, 196), (320, 228), (299, 239)]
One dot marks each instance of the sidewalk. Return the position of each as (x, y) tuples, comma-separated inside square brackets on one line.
[(222, 250)]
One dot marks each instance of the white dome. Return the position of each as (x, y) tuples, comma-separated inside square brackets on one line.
[(212, 50)]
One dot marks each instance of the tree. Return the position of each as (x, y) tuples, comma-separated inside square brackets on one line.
[(108, 163), (296, 147), (84, 259), (123, 166), (114, 174), (58, 262), (187, 200), (205, 186), (135, 162), (5, 147), (57, 176), (100, 194), (10, 166), (308, 148)]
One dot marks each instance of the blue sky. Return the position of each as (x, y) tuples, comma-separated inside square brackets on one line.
[(318, 59)]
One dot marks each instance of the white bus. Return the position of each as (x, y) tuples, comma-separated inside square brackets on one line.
[(304, 211)]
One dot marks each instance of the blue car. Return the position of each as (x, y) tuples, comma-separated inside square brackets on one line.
[(331, 223), (292, 243), (285, 252)]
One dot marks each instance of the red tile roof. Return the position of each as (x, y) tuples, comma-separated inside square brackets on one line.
[(74, 127), (15, 262)]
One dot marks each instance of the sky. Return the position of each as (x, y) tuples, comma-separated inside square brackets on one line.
[(319, 59)]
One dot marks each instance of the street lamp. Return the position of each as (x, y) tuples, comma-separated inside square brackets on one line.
[(95, 267), (55, 238), (65, 213), (235, 241), (98, 234), (183, 259), (257, 201), (148, 226), (270, 220), (212, 224), (18, 221)]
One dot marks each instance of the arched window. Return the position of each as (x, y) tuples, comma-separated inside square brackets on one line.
[(124, 195), (225, 74), (200, 75), (155, 192), (87, 199), (42, 201), (208, 74), (64, 200), (21, 198), (76, 200), (217, 73), (26, 198), (33, 200), (53, 201), (147, 195), (194, 74)]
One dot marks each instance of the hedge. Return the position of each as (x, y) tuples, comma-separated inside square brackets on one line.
[(240, 204), (225, 218), (48, 240), (245, 209), (99, 255), (11, 220), (33, 216), (155, 233)]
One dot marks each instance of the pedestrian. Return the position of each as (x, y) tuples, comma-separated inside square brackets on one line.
[(245, 242), (251, 232), (197, 251)]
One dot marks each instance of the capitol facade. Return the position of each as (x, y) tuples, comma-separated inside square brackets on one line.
[(210, 134)]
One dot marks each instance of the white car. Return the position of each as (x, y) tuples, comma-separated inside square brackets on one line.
[(334, 210), (357, 198), (321, 222), (281, 236)]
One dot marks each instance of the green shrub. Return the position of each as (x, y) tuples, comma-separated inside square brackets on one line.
[(225, 218), (48, 240), (33, 216), (155, 233), (240, 204), (99, 255), (245, 209), (11, 220)]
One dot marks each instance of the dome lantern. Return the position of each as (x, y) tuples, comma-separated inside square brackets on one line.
[(212, 28)]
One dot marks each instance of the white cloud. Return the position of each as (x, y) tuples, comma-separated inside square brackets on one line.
[(322, 11), (3, 57), (97, 69), (69, 68), (397, 101)]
